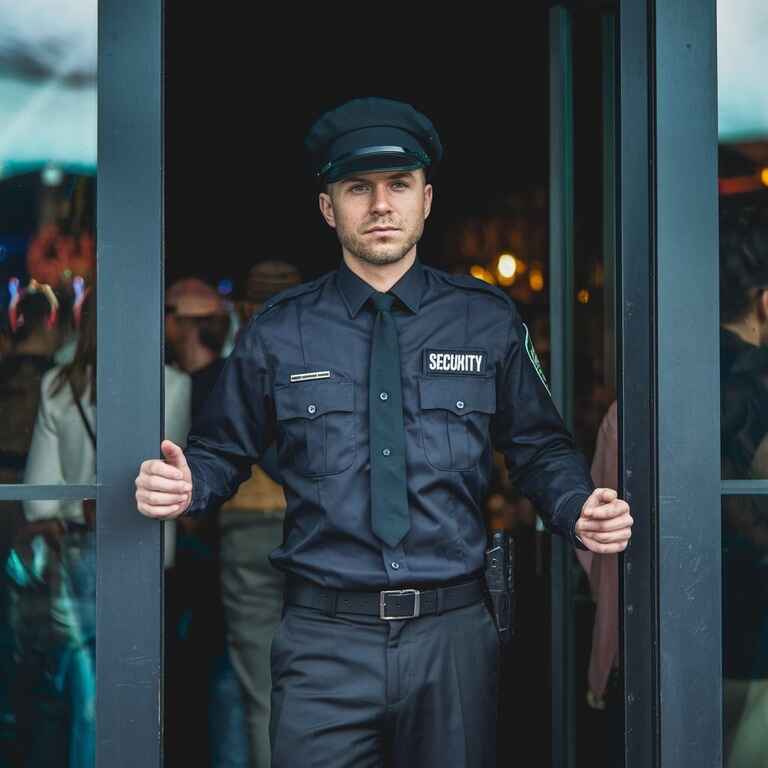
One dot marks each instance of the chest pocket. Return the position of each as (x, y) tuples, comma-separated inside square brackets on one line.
[(455, 419), (317, 420)]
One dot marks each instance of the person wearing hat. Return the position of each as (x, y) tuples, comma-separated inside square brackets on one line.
[(385, 384)]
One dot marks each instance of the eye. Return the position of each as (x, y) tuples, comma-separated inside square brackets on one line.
[(357, 188), (400, 185)]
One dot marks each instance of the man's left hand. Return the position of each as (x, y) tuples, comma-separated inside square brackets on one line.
[(605, 525)]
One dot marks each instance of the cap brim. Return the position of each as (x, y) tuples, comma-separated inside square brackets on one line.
[(395, 161)]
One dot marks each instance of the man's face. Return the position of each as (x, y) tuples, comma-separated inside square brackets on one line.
[(379, 217)]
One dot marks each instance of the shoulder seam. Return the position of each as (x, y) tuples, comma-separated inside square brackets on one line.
[(472, 284), (299, 290)]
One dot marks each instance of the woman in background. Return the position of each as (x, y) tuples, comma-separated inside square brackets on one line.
[(56, 642)]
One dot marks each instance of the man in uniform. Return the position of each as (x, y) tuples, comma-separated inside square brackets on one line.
[(385, 385)]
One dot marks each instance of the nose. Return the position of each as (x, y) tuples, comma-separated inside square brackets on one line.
[(380, 203)]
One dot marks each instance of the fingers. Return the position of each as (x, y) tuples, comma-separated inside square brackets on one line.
[(161, 512), (159, 498), (164, 490), (614, 508), (600, 496), (159, 467), (608, 537), (605, 549), (587, 524), (147, 482)]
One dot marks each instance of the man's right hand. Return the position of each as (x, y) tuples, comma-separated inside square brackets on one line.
[(164, 488)]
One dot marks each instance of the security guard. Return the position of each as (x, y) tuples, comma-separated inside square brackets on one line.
[(385, 385)]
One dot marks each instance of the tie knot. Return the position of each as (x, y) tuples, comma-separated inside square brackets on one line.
[(382, 301)]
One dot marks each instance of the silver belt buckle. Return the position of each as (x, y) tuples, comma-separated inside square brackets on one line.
[(399, 592)]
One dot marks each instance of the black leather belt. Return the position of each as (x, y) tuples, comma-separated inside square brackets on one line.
[(389, 604)]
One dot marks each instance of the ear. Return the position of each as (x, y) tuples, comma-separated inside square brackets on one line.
[(326, 208), (427, 200)]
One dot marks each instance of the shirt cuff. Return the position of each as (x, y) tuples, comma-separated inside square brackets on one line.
[(568, 515)]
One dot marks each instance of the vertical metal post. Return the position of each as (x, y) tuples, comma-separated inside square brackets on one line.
[(689, 525), (561, 197), (129, 242), (637, 383)]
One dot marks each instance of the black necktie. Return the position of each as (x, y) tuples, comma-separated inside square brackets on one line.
[(389, 496)]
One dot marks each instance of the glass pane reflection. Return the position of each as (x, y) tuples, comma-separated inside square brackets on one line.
[(47, 634), (47, 209)]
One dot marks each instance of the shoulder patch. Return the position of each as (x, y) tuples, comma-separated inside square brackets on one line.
[(534, 358)]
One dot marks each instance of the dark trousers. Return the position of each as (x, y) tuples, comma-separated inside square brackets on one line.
[(358, 692)]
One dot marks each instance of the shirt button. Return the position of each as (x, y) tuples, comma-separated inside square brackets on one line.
[(395, 565), (311, 408), (460, 404), (386, 451), (384, 395)]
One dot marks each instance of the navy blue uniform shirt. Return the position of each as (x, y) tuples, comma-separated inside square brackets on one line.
[(299, 376)]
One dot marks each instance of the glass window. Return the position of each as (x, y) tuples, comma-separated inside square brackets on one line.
[(47, 234), (743, 189)]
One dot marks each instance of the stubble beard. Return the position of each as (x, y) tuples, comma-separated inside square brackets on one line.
[(378, 254)]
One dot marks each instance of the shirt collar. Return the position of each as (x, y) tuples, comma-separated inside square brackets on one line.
[(355, 291)]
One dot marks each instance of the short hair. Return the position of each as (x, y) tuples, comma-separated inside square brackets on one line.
[(35, 309)]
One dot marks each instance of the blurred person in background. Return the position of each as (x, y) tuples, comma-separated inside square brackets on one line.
[(744, 456), (55, 623), (201, 718), (32, 338), (603, 572), (251, 526), (196, 327), (33, 321)]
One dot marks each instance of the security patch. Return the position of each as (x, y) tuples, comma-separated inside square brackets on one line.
[(534, 358), (456, 362)]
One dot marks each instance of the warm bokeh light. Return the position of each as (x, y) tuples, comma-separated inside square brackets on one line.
[(583, 296), (481, 273), (764, 176), (507, 265), (536, 280)]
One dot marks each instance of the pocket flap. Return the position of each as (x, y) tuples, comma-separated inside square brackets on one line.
[(310, 399), (460, 395)]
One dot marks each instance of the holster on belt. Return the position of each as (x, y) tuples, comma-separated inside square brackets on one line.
[(499, 579)]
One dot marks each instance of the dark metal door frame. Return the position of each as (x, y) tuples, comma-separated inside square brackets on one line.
[(669, 431), (561, 210), (668, 361), (129, 392), (670, 404)]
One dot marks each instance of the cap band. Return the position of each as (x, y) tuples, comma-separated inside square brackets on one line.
[(380, 150)]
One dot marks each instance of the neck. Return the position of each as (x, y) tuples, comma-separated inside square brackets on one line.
[(380, 276), (193, 357), (747, 330)]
